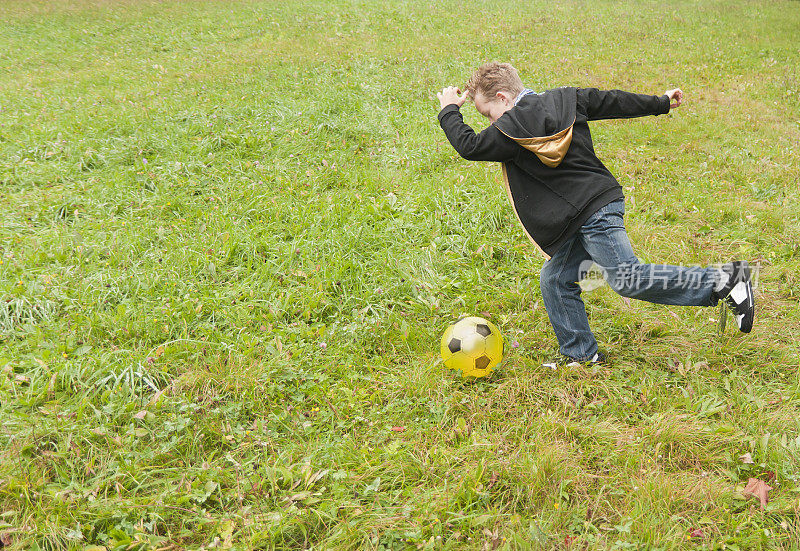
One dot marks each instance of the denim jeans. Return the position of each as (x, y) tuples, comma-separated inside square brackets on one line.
[(603, 239)]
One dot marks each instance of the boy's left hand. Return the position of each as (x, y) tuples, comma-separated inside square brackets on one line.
[(449, 96), (675, 96)]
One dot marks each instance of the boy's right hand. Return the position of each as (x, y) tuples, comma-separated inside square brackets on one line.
[(449, 96), (676, 95)]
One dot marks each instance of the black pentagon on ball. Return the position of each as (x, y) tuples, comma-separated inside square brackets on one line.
[(482, 362), (483, 330), (454, 345)]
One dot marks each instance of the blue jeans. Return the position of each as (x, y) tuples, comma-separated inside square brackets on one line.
[(603, 239)]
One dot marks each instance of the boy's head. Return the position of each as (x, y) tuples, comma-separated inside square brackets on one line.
[(493, 87)]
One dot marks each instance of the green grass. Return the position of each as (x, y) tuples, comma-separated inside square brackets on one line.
[(195, 196)]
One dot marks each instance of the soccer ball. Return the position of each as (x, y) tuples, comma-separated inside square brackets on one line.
[(472, 345)]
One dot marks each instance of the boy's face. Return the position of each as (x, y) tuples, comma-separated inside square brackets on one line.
[(493, 108)]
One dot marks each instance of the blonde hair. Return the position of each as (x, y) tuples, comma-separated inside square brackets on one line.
[(490, 78)]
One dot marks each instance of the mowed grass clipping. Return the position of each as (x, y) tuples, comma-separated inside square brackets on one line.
[(231, 234)]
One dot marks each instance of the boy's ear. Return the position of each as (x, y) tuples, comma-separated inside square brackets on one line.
[(503, 96)]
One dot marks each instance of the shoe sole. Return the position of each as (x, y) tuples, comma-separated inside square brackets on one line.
[(742, 296), (575, 363)]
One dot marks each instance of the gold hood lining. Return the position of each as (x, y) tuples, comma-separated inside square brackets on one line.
[(551, 150)]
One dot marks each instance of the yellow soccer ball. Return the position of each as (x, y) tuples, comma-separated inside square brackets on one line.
[(473, 346)]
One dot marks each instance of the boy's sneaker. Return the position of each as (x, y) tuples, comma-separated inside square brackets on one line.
[(737, 293), (598, 359)]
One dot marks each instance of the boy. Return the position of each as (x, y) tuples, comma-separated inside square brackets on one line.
[(570, 205)]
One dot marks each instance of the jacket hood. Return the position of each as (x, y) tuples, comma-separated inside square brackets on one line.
[(542, 124)]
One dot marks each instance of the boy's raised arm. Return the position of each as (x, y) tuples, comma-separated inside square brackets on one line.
[(616, 104), (489, 145)]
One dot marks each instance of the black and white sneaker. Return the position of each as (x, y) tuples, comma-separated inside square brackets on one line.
[(598, 359), (738, 294)]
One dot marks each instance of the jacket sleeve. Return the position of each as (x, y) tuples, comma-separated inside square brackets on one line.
[(616, 104), (489, 145)]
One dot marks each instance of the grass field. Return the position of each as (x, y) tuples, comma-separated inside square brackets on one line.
[(231, 234)]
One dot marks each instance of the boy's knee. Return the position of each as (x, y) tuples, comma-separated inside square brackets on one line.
[(550, 278), (554, 274), (624, 279), (558, 281), (627, 291)]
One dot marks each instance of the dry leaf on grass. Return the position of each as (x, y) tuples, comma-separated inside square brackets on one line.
[(757, 488), (697, 533), (140, 415), (51, 387), (746, 458), (158, 395)]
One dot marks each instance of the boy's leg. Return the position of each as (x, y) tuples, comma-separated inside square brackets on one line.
[(605, 239), (562, 299)]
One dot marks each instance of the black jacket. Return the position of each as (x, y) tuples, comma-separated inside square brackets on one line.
[(553, 177)]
